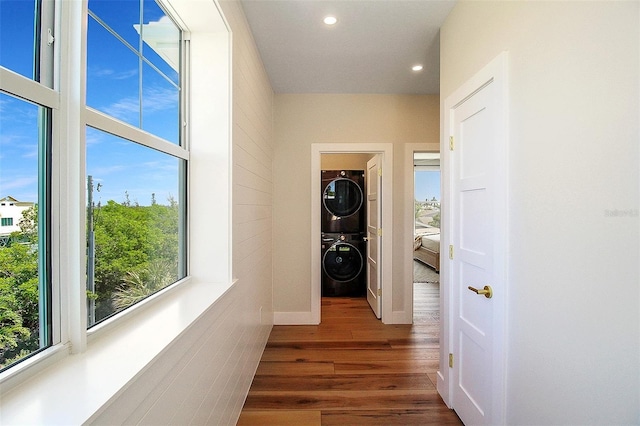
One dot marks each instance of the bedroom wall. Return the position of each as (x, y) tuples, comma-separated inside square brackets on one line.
[(303, 119), (573, 295)]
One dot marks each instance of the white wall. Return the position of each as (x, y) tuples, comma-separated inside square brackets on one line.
[(201, 377), (13, 210), (253, 152), (304, 119), (573, 294)]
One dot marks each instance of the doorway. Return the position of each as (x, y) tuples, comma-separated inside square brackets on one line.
[(386, 155), (426, 237), (343, 224), (408, 238)]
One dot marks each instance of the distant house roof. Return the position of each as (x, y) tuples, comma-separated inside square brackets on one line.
[(12, 200)]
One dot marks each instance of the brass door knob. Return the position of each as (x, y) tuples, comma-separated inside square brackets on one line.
[(487, 291)]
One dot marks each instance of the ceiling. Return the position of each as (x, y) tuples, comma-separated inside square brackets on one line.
[(371, 48)]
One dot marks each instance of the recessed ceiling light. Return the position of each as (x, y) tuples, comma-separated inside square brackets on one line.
[(330, 20), (417, 67)]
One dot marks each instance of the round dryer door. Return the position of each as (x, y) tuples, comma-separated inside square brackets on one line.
[(342, 197), (342, 262)]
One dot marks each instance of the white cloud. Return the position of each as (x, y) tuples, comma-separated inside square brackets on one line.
[(17, 183), (114, 75), (94, 137), (18, 146), (9, 139), (3, 103), (102, 171), (164, 19), (30, 151), (123, 75), (153, 99), (124, 108), (157, 99)]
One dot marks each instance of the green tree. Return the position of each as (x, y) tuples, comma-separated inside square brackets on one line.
[(19, 321), (136, 254), (436, 220), (130, 241), (12, 329), (419, 208), (137, 286), (29, 224)]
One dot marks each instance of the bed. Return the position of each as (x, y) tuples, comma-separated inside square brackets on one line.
[(426, 249)]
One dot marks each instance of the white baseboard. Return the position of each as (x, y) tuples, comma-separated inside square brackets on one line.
[(442, 388), (293, 318), (401, 317)]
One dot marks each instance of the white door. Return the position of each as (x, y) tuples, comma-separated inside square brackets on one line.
[(478, 253), (374, 199)]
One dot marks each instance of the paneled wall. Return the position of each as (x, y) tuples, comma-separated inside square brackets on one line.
[(200, 378), (252, 157)]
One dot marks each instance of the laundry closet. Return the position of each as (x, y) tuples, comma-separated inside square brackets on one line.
[(343, 224)]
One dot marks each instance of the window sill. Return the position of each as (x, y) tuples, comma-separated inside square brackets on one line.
[(71, 389)]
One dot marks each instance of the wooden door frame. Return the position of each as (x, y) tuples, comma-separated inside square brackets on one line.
[(386, 152), (493, 73)]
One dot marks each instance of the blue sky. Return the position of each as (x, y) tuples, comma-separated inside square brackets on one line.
[(18, 119), (427, 185), (18, 149), (115, 77)]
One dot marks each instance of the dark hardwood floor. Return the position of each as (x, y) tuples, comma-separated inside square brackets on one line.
[(352, 369)]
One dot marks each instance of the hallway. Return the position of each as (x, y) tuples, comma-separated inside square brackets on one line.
[(351, 370)]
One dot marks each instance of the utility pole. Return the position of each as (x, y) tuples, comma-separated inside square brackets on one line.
[(91, 256)]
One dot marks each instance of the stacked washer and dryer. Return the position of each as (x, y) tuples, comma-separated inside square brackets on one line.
[(343, 233)]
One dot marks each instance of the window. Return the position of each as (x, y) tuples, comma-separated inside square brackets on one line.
[(427, 193), (26, 105), (135, 161), (133, 68)]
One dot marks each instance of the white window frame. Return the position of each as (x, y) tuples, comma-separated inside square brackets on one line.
[(109, 124), (43, 93)]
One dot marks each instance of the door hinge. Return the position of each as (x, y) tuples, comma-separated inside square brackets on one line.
[(451, 143), (379, 232), (379, 292), (50, 37), (450, 360), (380, 171), (451, 251)]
